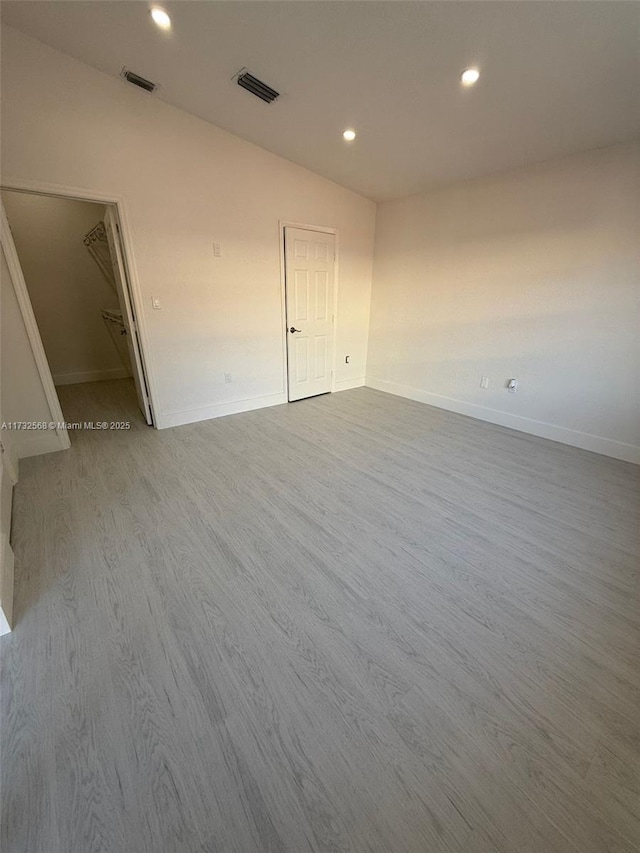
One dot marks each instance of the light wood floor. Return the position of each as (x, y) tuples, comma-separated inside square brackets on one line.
[(354, 623)]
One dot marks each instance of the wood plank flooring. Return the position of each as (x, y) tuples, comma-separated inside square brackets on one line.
[(354, 623)]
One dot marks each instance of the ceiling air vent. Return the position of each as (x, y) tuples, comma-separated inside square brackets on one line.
[(147, 85), (257, 87)]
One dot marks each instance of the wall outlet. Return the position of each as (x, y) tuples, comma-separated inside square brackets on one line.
[(217, 250), (512, 386), (346, 359), (228, 378), (484, 381)]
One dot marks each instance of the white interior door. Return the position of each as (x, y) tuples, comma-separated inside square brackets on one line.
[(309, 283), (128, 314)]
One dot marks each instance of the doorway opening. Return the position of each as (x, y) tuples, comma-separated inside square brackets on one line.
[(310, 290), (73, 263)]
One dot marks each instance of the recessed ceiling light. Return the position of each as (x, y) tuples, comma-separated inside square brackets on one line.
[(349, 135), (161, 18), (470, 76)]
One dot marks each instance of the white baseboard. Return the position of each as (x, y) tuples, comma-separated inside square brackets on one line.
[(91, 376), (583, 440), (219, 410), (346, 384)]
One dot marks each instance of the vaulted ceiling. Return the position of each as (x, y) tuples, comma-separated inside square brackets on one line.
[(556, 77)]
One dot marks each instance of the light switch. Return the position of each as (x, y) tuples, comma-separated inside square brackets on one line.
[(155, 302), (217, 251)]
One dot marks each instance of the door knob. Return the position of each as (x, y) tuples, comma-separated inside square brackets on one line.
[(293, 329)]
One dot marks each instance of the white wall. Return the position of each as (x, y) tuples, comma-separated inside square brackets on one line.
[(185, 184), (533, 275), (66, 287)]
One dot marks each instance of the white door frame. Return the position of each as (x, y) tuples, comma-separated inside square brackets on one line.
[(8, 471), (121, 283), (323, 229), (33, 333), (79, 194)]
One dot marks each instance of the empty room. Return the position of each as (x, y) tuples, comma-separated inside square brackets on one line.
[(320, 408)]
